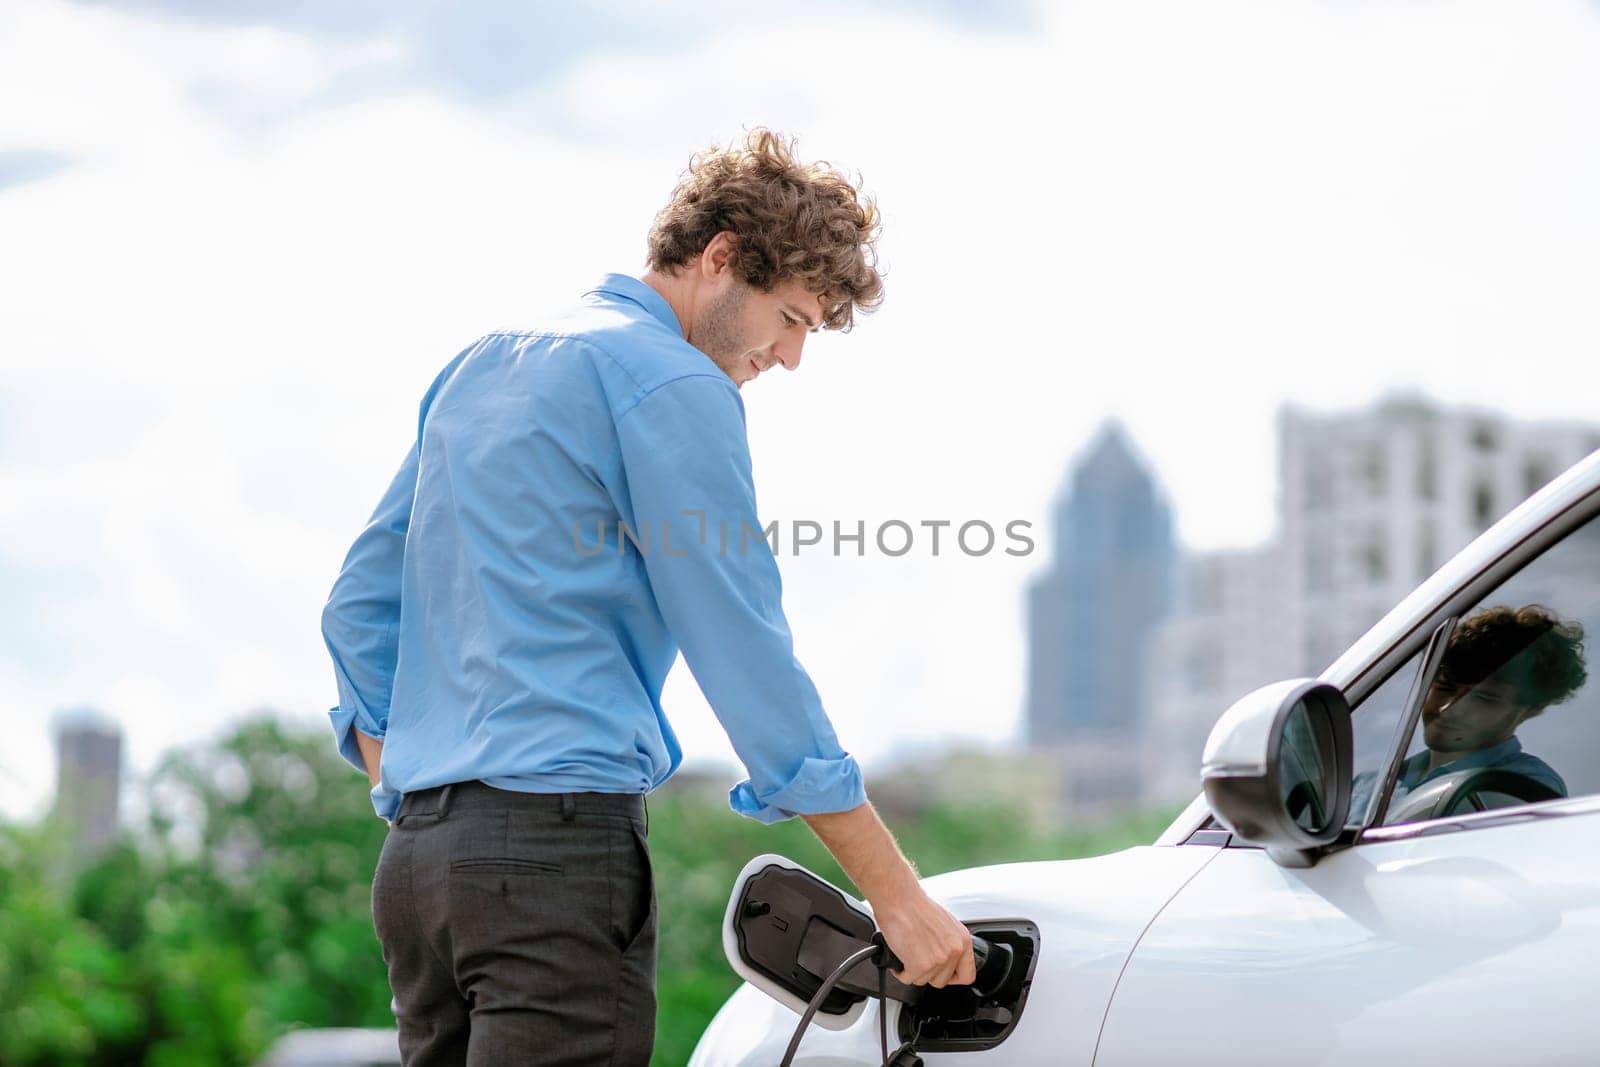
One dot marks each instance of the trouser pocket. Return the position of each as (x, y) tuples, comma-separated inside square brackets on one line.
[(633, 890)]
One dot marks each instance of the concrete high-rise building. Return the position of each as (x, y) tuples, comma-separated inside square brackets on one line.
[(1370, 503), (88, 778), (1091, 615)]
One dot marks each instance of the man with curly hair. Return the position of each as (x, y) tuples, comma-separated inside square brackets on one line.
[(1503, 666), (577, 508)]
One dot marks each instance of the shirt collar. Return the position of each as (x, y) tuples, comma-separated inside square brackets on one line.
[(626, 287), (1492, 756)]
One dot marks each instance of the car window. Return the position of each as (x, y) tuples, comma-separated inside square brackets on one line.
[(1509, 716)]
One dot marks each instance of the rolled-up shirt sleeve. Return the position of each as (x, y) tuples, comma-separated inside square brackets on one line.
[(691, 496), (361, 620)]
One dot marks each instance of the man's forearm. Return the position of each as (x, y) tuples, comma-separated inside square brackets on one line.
[(866, 850), (933, 947), (371, 753)]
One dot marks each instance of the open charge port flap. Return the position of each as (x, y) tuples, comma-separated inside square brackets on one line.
[(955, 1019), (794, 928)]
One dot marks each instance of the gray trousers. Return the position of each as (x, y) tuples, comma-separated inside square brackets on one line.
[(519, 928)]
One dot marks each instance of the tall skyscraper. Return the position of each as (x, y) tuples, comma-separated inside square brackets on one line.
[(1091, 615), (88, 778)]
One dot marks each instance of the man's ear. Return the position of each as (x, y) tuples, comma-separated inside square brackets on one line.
[(719, 255)]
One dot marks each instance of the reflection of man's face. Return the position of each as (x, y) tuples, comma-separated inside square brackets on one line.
[(1466, 718)]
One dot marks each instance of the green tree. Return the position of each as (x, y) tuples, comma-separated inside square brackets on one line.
[(242, 911), (66, 992), (267, 843)]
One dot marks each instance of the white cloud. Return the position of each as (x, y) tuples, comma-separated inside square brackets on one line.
[(214, 338)]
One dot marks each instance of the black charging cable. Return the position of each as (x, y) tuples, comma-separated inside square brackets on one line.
[(883, 998), (884, 958), (991, 959), (822, 994), (906, 1054)]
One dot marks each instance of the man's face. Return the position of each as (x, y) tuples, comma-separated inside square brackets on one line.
[(1466, 718), (746, 331)]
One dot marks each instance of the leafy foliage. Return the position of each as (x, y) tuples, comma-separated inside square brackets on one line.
[(243, 909)]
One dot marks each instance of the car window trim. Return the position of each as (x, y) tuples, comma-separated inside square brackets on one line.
[(1432, 657), (1588, 804)]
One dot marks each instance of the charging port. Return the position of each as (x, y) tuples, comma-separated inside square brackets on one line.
[(957, 1019)]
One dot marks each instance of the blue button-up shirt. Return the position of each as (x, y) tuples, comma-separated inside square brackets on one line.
[(578, 506)]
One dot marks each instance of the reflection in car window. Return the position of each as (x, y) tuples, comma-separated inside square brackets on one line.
[(1504, 666), (1508, 717)]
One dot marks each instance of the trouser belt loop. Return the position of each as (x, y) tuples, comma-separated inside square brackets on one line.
[(444, 799), (569, 807)]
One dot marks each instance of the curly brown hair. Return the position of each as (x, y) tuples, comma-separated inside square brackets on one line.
[(1531, 647), (805, 222)]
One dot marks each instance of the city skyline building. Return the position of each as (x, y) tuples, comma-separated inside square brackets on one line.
[(1371, 502), (88, 779), (1091, 614), (1225, 635)]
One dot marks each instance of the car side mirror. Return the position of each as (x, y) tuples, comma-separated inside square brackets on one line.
[(1277, 768)]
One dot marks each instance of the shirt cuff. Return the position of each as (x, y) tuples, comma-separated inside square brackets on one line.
[(821, 786), (386, 802), (346, 721)]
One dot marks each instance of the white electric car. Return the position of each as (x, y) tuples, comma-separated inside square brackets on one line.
[(1397, 863)]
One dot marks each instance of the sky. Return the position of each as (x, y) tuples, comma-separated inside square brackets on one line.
[(238, 241)]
